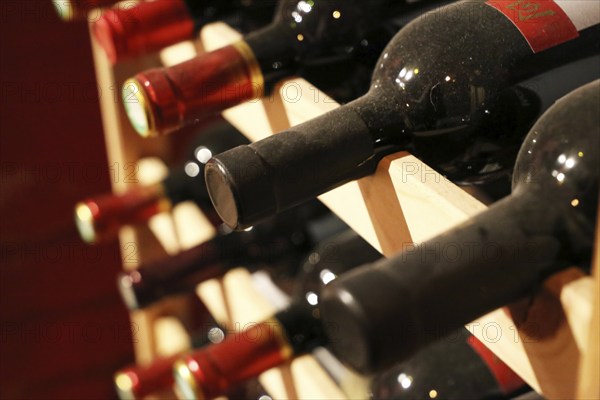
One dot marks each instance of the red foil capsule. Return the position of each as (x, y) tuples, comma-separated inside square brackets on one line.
[(99, 219), (214, 370), (137, 382), (162, 100), (147, 27), (69, 10)]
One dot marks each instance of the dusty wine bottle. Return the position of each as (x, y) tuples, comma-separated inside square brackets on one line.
[(276, 246), (137, 381), (389, 310), (302, 33), (152, 25), (443, 87), (456, 367), (211, 371), (100, 218)]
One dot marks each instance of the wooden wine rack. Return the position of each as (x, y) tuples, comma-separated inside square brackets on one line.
[(404, 202)]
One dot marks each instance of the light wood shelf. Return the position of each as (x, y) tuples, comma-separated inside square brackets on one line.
[(403, 203)]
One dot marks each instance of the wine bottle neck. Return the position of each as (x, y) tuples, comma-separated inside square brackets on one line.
[(296, 165), (136, 382), (99, 219), (246, 353), (179, 274), (497, 257), (279, 243), (302, 326), (384, 120)]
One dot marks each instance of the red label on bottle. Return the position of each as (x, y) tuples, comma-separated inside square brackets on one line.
[(542, 22)]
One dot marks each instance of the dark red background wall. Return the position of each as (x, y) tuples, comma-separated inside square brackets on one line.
[(63, 330)]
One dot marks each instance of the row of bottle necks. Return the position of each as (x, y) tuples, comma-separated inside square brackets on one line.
[(280, 244), (469, 87)]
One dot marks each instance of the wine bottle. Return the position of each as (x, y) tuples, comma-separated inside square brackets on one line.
[(99, 218), (136, 382), (456, 367), (69, 10), (443, 87), (156, 381), (150, 26), (509, 383), (159, 101), (297, 329), (389, 310), (156, 378), (276, 245)]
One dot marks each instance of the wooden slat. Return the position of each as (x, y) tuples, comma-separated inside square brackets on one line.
[(589, 366)]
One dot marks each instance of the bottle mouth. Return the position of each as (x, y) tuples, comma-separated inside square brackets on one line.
[(126, 282), (240, 186), (85, 222), (185, 384), (64, 9), (138, 108), (124, 385), (221, 192)]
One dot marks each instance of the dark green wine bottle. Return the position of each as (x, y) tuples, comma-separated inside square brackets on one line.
[(387, 311), (443, 85)]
